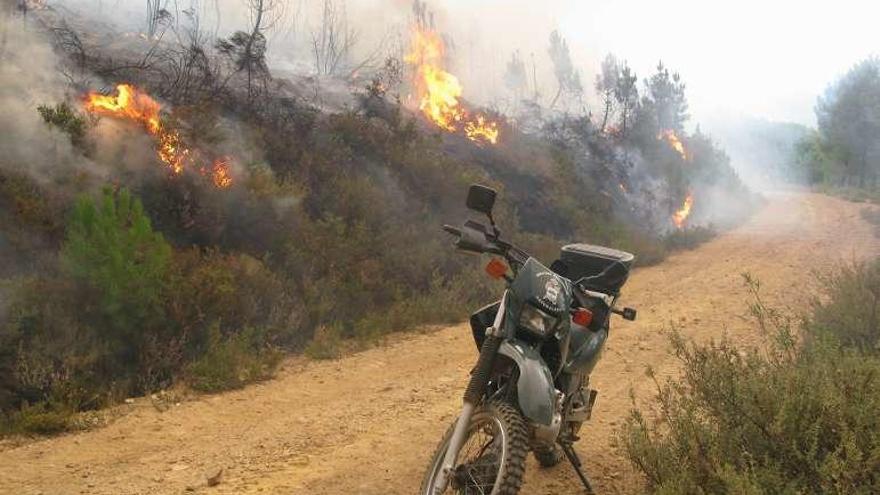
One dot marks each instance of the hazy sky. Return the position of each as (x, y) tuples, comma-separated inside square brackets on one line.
[(758, 58), (765, 58)]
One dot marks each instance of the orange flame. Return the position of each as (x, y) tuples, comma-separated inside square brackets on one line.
[(128, 103), (482, 129), (679, 217), (220, 173), (136, 106), (674, 142), (439, 91)]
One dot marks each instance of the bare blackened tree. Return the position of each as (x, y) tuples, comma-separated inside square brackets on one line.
[(568, 78), (157, 16), (515, 77), (247, 50), (190, 72), (627, 95), (424, 17), (606, 85), (69, 41), (333, 41)]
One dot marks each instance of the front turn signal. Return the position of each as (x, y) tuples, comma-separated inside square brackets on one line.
[(582, 317), (496, 268)]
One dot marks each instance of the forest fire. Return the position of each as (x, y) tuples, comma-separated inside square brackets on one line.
[(136, 106), (438, 91), (674, 142), (680, 216), (220, 173)]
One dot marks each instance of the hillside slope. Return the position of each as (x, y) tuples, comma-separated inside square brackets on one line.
[(367, 423)]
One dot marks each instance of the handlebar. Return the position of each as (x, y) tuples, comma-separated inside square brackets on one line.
[(475, 237), (452, 230)]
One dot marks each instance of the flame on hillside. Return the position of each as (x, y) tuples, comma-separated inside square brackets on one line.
[(681, 215), (220, 173), (134, 105), (674, 142), (438, 91)]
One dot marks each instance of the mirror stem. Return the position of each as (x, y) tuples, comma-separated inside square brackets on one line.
[(492, 223)]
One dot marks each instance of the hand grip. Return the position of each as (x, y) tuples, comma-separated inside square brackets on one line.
[(452, 230)]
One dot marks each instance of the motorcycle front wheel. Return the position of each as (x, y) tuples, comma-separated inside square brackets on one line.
[(492, 460)]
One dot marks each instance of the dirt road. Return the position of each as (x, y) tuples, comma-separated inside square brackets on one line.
[(367, 423)]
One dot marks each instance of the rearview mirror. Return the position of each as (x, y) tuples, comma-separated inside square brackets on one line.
[(481, 198)]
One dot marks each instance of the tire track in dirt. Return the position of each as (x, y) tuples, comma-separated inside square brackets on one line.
[(368, 423)]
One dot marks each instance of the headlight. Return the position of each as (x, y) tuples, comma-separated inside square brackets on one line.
[(537, 321)]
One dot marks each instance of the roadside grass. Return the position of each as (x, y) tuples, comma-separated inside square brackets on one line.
[(854, 194), (689, 238), (872, 216), (232, 362)]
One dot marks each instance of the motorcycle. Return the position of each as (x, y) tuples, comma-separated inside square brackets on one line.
[(530, 388)]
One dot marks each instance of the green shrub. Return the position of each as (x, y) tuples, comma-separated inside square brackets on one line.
[(125, 314), (793, 418), (34, 207), (69, 121), (40, 419), (739, 422), (112, 249), (849, 310), (327, 343), (232, 362), (849, 193), (234, 290), (688, 238), (872, 216)]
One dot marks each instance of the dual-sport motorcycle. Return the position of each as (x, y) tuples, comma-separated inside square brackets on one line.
[(529, 391)]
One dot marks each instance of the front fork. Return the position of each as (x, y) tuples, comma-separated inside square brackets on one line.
[(474, 393)]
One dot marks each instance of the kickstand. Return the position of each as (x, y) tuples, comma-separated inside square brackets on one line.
[(576, 464)]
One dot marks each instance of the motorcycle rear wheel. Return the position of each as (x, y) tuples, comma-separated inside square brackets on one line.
[(492, 460)]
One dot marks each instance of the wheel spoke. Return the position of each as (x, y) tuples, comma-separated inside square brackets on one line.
[(492, 454)]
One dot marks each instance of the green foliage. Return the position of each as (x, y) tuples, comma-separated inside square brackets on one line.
[(69, 121), (30, 205), (849, 312), (688, 238), (844, 151), (233, 362), (40, 419), (327, 343), (795, 418), (125, 314), (664, 105), (112, 250)]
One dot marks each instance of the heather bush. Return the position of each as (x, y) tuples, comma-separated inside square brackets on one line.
[(123, 313), (233, 361), (798, 416)]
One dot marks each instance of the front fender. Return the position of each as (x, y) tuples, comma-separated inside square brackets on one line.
[(535, 389)]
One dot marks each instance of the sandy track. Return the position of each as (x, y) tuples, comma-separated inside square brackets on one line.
[(367, 423)]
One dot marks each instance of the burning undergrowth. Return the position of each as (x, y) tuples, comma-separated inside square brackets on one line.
[(263, 213), (133, 105), (438, 92)]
